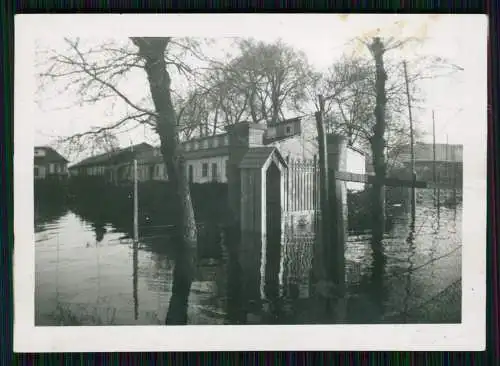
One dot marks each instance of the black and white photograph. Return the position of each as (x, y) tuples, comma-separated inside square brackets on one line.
[(243, 181)]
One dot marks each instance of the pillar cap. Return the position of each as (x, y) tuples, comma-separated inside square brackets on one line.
[(332, 138)]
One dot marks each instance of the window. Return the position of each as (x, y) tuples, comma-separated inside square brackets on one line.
[(227, 168), (214, 171), (157, 170), (226, 140), (271, 132), (36, 172), (444, 170), (215, 142), (204, 170), (205, 144), (190, 173), (195, 145), (51, 168), (288, 130)]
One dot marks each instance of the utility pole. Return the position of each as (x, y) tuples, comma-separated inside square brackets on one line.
[(454, 162), (135, 198), (446, 167), (323, 188), (412, 152), (434, 155), (136, 205)]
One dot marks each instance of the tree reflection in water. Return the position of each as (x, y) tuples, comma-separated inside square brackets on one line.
[(217, 288)]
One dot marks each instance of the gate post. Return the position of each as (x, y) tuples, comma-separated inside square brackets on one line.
[(335, 254), (242, 136)]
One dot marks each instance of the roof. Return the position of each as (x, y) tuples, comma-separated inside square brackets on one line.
[(51, 155), (256, 157), (425, 152), (113, 155)]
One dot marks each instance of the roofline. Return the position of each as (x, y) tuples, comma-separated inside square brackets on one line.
[(204, 138), (357, 149), (60, 158), (52, 149), (272, 150), (124, 149)]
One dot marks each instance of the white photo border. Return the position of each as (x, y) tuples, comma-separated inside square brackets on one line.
[(469, 335)]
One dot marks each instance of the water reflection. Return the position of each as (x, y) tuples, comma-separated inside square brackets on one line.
[(84, 262), (99, 230), (410, 240), (135, 257)]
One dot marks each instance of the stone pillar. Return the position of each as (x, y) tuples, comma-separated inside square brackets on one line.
[(242, 136), (337, 161)]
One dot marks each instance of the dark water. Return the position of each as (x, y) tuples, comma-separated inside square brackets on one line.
[(90, 273)]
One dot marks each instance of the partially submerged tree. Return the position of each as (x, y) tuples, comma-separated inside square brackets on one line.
[(98, 74), (377, 142), (152, 51), (368, 105)]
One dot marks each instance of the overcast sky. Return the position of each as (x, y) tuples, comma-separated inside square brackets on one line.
[(458, 101)]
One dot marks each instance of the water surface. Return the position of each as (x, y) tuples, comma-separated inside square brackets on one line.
[(90, 273)]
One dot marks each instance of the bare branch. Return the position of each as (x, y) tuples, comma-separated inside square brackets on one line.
[(95, 76)]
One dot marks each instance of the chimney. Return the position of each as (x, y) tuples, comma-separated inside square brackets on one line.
[(246, 134)]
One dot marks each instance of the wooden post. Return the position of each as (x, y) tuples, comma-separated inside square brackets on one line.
[(136, 205), (438, 192), (434, 155), (412, 152), (447, 167), (455, 183), (319, 270), (135, 254)]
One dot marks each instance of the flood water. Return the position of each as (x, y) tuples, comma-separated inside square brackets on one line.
[(91, 274)]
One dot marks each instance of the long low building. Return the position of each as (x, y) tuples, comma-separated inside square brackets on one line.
[(207, 157)]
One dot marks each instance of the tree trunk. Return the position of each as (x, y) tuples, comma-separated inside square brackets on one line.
[(377, 145), (253, 113), (185, 235)]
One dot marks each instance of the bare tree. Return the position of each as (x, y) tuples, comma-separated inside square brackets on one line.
[(98, 74), (368, 105), (351, 83), (262, 82)]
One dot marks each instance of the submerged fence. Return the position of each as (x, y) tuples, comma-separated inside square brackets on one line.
[(301, 215)]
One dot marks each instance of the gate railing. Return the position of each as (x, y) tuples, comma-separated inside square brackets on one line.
[(301, 215)]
